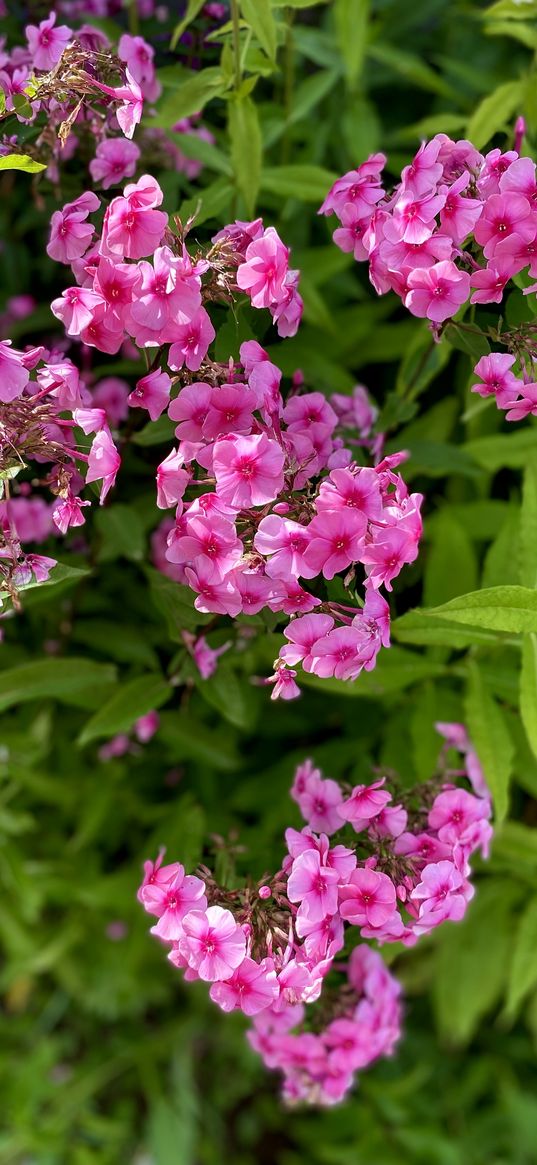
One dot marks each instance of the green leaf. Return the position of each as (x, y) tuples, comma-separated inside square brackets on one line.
[(230, 694), (52, 679), (450, 543), (155, 432), (185, 94), (258, 15), (500, 567), (208, 202), (303, 181), (352, 20), (246, 147), (515, 848), (528, 689), (308, 94), (509, 451), (201, 151), (396, 670), (61, 579), (132, 700), (422, 361), (491, 739), (192, 9), (411, 68), (510, 608), (469, 342), (121, 534), (511, 9), (21, 162), (472, 962), (523, 973), (528, 528), (494, 112), (422, 628), (176, 603)]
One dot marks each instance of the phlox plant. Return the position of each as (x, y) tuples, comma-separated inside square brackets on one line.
[(169, 405)]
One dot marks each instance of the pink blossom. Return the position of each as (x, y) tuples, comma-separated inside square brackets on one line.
[(368, 899), (263, 272), (502, 215), (286, 542), (364, 804), (213, 594), (453, 811), (361, 187), (437, 292), (440, 894), (70, 234), (336, 540), (460, 213), (213, 944), (248, 470), (230, 409), (172, 480), (525, 405), (111, 394), (138, 56), (68, 512), (251, 988), (284, 680), (132, 226), (303, 634), (319, 803), (314, 886), (172, 901), (103, 462), (191, 342), (146, 726), (208, 540), (115, 159), (152, 392), (13, 375), (47, 42), (495, 377), (425, 170)]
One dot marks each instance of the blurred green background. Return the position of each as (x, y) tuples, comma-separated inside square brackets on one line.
[(105, 1056)]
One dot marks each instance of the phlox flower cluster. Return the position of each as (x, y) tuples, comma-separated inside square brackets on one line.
[(70, 74), (459, 228), (394, 871)]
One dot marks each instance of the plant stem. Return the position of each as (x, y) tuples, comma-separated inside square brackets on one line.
[(236, 42)]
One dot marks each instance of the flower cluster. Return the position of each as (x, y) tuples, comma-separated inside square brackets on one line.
[(268, 949), (459, 228), (287, 503)]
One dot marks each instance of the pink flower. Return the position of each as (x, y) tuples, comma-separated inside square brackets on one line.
[(132, 226), (152, 392), (47, 43), (213, 594), (68, 512), (453, 811), (76, 308), (424, 171), (285, 687), (364, 803), (251, 988), (286, 542), (208, 540), (205, 657), (248, 470), (503, 214), (172, 480), (494, 377), (263, 272), (111, 394), (437, 292), (413, 218), (146, 726), (191, 342), (70, 234), (103, 462), (13, 375), (115, 159), (213, 944), (138, 55), (303, 634), (361, 187), (230, 411), (342, 653), (459, 213), (336, 541), (319, 803), (171, 901), (130, 96), (525, 405), (313, 885), (368, 899), (385, 557), (440, 894)]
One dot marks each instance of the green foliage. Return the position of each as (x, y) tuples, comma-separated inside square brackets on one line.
[(106, 1056)]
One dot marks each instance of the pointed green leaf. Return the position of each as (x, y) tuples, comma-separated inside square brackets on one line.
[(21, 161), (246, 148), (490, 736), (258, 15), (528, 689), (132, 700), (192, 9), (494, 112), (52, 678), (528, 528), (511, 608), (352, 18), (523, 974)]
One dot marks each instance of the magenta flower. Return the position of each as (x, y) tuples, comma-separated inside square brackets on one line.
[(264, 270), (172, 901), (454, 811), (46, 43), (230, 411), (132, 226), (251, 988), (496, 379), (460, 212), (152, 392), (503, 215), (248, 470), (368, 899), (68, 512), (13, 375), (213, 944), (191, 341), (336, 541), (319, 802), (206, 541), (525, 405), (364, 803), (172, 480), (70, 234), (303, 634), (286, 542), (103, 462), (115, 159), (314, 886), (437, 292)]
